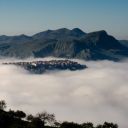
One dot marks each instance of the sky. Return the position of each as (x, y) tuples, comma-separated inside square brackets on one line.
[(32, 16)]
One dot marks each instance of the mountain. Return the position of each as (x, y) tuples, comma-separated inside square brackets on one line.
[(16, 39), (64, 43), (62, 33), (124, 42)]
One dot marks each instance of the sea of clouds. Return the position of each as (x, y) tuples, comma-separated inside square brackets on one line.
[(97, 94)]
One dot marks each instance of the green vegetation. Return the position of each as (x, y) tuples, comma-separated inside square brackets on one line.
[(2, 105), (18, 119)]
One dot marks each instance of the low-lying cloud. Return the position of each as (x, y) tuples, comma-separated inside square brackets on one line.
[(96, 94)]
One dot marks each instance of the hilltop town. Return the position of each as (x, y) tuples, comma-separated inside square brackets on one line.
[(39, 67)]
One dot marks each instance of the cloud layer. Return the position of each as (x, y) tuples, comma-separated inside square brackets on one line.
[(97, 94)]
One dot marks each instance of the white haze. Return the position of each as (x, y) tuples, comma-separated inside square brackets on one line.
[(97, 94)]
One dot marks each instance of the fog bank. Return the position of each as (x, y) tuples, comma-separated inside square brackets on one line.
[(97, 94)]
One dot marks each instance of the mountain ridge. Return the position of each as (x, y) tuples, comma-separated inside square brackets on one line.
[(65, 43)]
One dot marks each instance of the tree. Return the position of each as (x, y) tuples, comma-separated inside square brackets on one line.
[(17, 114), (37, 123), (57, 124), (70, 125), (109, 125), (34, 122), (87, 125), (30, 117), (46, 117), (99, 126), (20, 114), (11, 113), (2, 105)]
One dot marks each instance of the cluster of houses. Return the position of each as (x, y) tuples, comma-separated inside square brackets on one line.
[(41, 66)]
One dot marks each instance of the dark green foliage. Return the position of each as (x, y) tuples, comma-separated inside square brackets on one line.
[(40, 119), (30, 117), (57, 124), (2, 105), (46, 117), (107, 125), (70, 125), (9, 120), (15, 119), (20, 114), (17, 114), (87, 125), (36, 123)]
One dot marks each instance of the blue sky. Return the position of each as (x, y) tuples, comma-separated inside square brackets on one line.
[(31, 16)]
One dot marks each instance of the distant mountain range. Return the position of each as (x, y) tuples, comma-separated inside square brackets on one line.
[(65, 43), (124, 42)]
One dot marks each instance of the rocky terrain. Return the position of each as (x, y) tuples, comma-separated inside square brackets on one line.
[(65, 43), (39, 67)]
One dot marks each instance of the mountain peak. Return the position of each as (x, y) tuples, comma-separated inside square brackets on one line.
[(77, 30), (65, 43), (62, 29), (102, 40), (99, 33), (23, 35), (61, 33), (102, 32)]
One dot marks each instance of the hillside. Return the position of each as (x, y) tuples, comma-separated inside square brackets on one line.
[(64, 43), (124, 42), (19, 119)]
